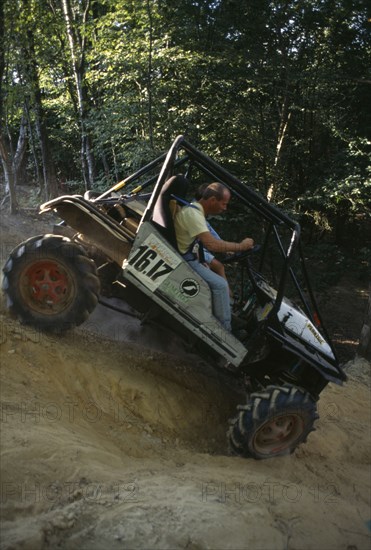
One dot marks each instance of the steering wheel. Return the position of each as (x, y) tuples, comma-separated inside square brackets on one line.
[(241, 256)]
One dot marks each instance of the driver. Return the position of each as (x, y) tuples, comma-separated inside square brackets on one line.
[(191, 226)]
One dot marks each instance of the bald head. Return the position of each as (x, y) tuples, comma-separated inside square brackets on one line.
[(215, 198), (217, 190)]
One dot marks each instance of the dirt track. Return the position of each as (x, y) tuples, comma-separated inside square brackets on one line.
[(107, 444)]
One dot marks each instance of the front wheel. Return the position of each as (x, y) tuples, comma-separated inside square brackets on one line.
[(273, 422), (51, 283)]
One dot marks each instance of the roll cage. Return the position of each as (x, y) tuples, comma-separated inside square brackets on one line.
[(281, 260), (182, 154)]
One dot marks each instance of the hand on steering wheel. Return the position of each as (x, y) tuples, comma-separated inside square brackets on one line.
[(241, 256)]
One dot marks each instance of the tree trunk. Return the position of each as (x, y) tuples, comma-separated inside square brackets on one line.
[(12, 163), (38, 177), (31, 66), (285, 116), (77, 49), (149, 76), (50, 179), (7, 164), (364, 347)]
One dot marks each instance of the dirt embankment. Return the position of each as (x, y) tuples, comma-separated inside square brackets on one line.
[(110, 444)]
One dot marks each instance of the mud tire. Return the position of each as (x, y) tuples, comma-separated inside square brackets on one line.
[(50, 283), (272, 423)]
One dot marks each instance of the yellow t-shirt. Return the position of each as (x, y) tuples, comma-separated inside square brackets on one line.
[(189, 222)]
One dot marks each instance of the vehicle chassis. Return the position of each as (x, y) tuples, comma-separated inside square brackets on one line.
[(286, 357)]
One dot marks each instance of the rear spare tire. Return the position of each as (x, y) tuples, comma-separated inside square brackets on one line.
[(51, 283)]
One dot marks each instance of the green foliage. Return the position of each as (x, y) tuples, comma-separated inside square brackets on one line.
[(278, 92), (331, 263), (363, 260)]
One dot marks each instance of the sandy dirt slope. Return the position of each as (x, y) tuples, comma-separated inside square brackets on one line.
[(113, 444)]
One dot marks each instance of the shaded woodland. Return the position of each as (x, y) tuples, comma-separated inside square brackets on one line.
[(278, 92)]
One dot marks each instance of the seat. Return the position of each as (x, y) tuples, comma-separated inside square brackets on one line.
[(163, 212)]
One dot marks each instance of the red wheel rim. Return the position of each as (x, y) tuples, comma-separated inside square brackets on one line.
[(278, 434), (47, 286)]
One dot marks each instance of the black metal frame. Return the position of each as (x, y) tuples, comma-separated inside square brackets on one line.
[(256, 202), (181, 152)]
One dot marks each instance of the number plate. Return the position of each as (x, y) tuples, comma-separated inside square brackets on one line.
[(152, 262)]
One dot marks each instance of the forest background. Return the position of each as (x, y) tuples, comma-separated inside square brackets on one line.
[(276, 91)]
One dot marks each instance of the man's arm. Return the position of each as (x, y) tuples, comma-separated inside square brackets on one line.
[(218, 245)]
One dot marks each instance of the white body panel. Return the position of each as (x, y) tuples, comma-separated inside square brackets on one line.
[(174, 285)]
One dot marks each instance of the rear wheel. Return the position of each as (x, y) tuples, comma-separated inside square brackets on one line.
[(51, 283), (273, 422)]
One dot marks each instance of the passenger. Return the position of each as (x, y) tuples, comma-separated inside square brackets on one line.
[(190, 226)]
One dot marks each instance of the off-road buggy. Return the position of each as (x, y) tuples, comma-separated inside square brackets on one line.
[(123, 246)]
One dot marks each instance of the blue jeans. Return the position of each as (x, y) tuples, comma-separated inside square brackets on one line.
[(220, 293)]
